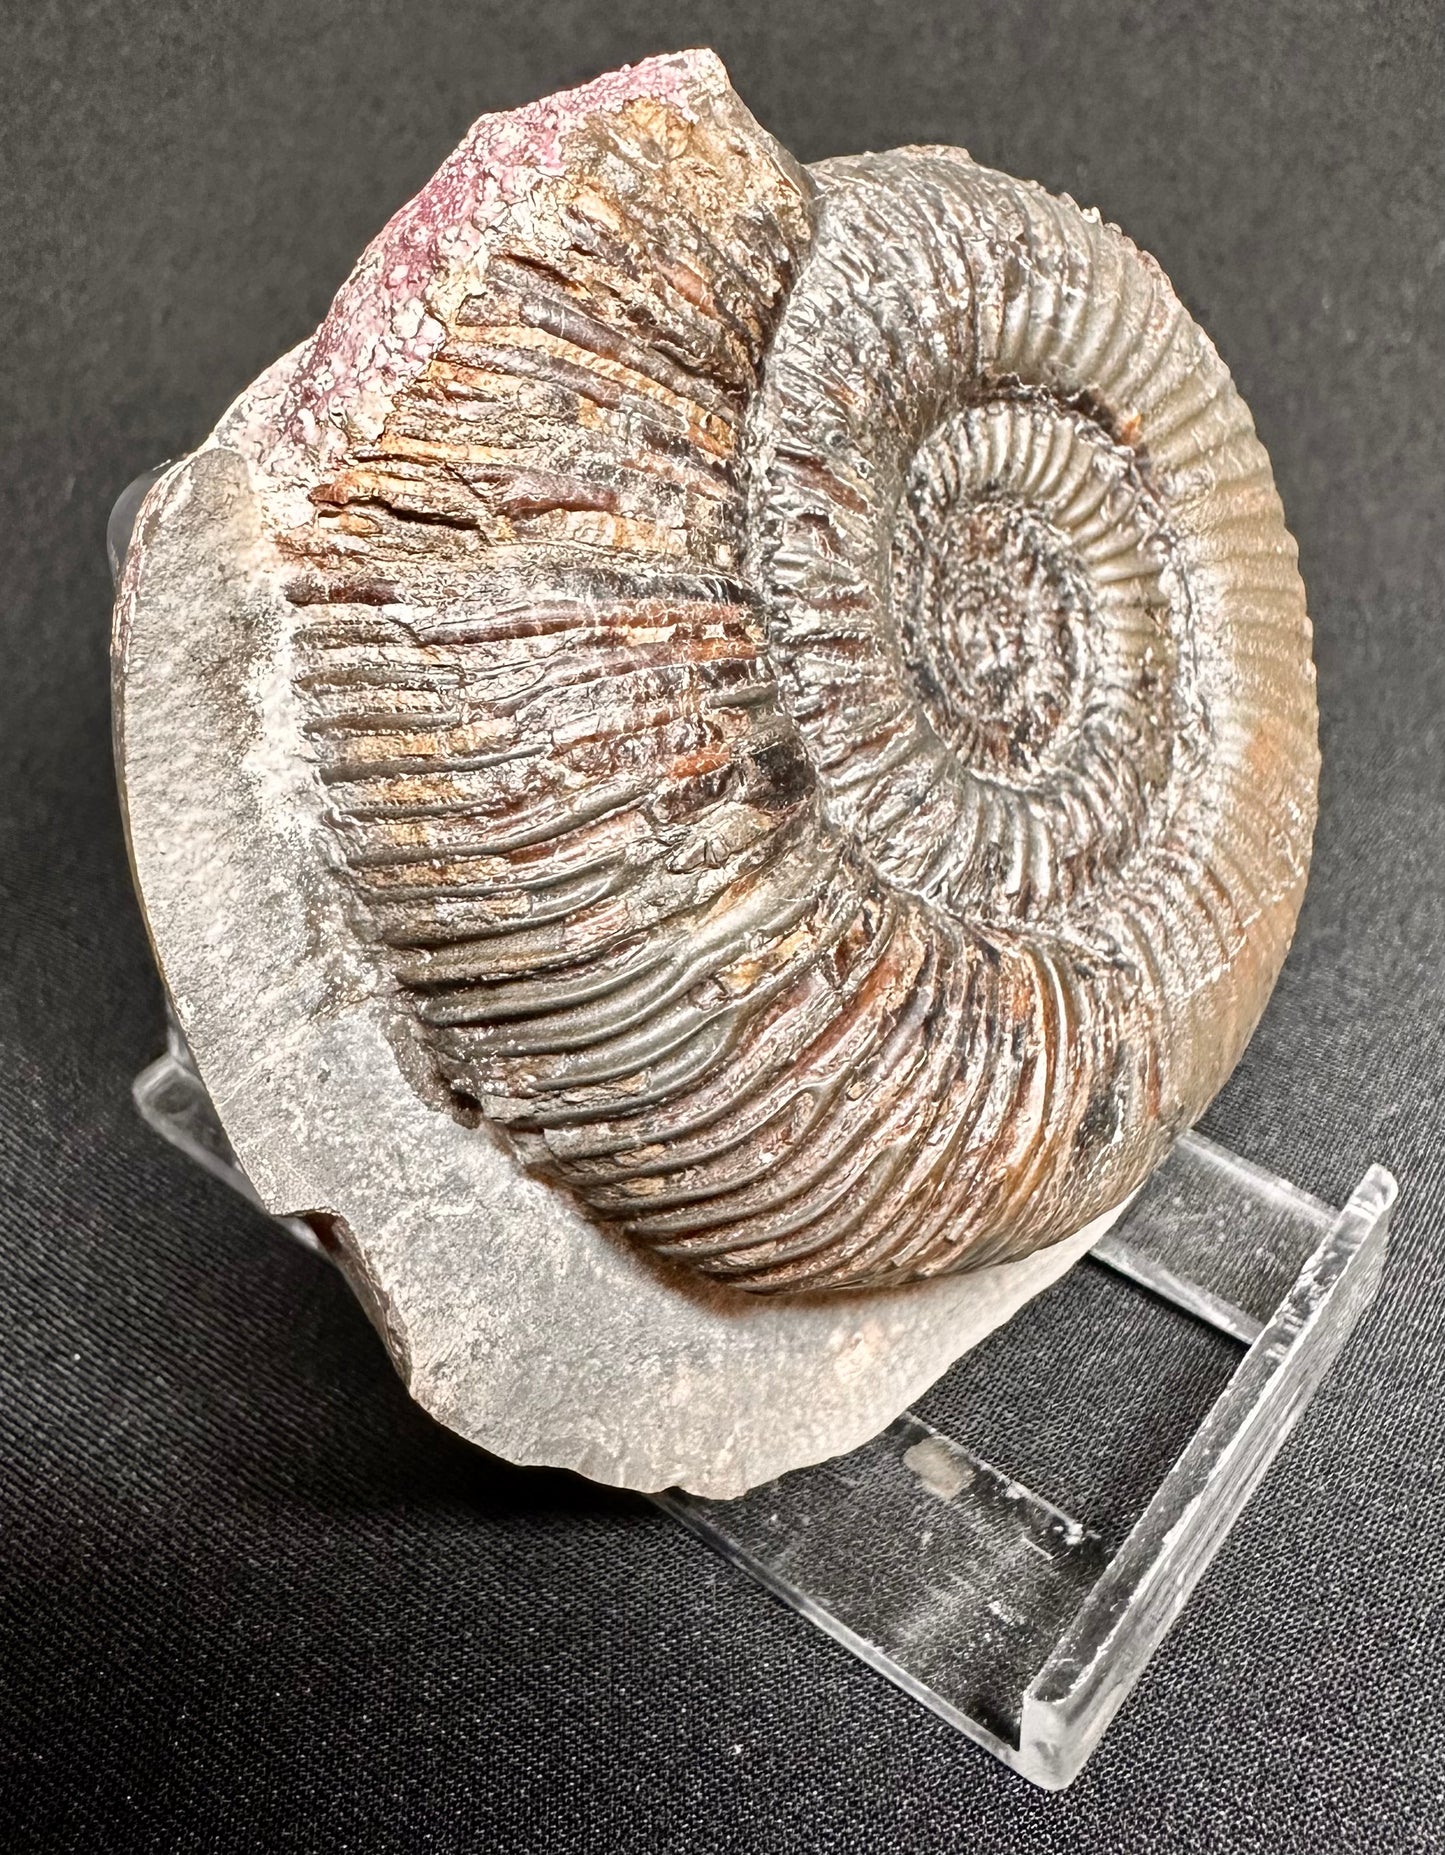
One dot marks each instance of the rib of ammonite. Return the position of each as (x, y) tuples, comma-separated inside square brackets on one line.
[(797, 678)]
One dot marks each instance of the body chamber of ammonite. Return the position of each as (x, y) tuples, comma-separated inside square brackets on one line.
[(720, 727)]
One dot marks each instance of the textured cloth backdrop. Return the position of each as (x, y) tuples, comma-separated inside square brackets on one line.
[(249, 1597)]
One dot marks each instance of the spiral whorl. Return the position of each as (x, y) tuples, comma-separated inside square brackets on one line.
[(812, 687), (1032, 600)]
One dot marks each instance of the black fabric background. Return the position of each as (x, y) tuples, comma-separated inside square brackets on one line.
[(249, 1597)]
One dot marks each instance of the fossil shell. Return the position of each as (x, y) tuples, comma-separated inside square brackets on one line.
[(810, 677)]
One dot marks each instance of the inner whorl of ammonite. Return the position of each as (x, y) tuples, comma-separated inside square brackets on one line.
[(1030, 587), (995, 615), (809, 678)]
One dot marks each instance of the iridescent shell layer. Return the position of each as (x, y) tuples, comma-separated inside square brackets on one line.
[(810, 678)]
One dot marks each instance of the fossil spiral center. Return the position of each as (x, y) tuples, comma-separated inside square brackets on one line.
[(982, 650), (992, 605)]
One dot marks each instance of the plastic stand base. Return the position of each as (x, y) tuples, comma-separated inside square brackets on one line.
[(985, 1601), (1007, 1616)]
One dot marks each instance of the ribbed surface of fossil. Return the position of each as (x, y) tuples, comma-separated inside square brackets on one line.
[(809, 675)]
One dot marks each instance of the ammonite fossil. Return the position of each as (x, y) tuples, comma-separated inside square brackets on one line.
[(809, 680)]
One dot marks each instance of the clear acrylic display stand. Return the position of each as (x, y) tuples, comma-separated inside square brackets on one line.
[(991, 1605), (1021, 1624)]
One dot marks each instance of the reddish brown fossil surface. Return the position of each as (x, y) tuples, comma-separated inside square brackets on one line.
[(809, 676)]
